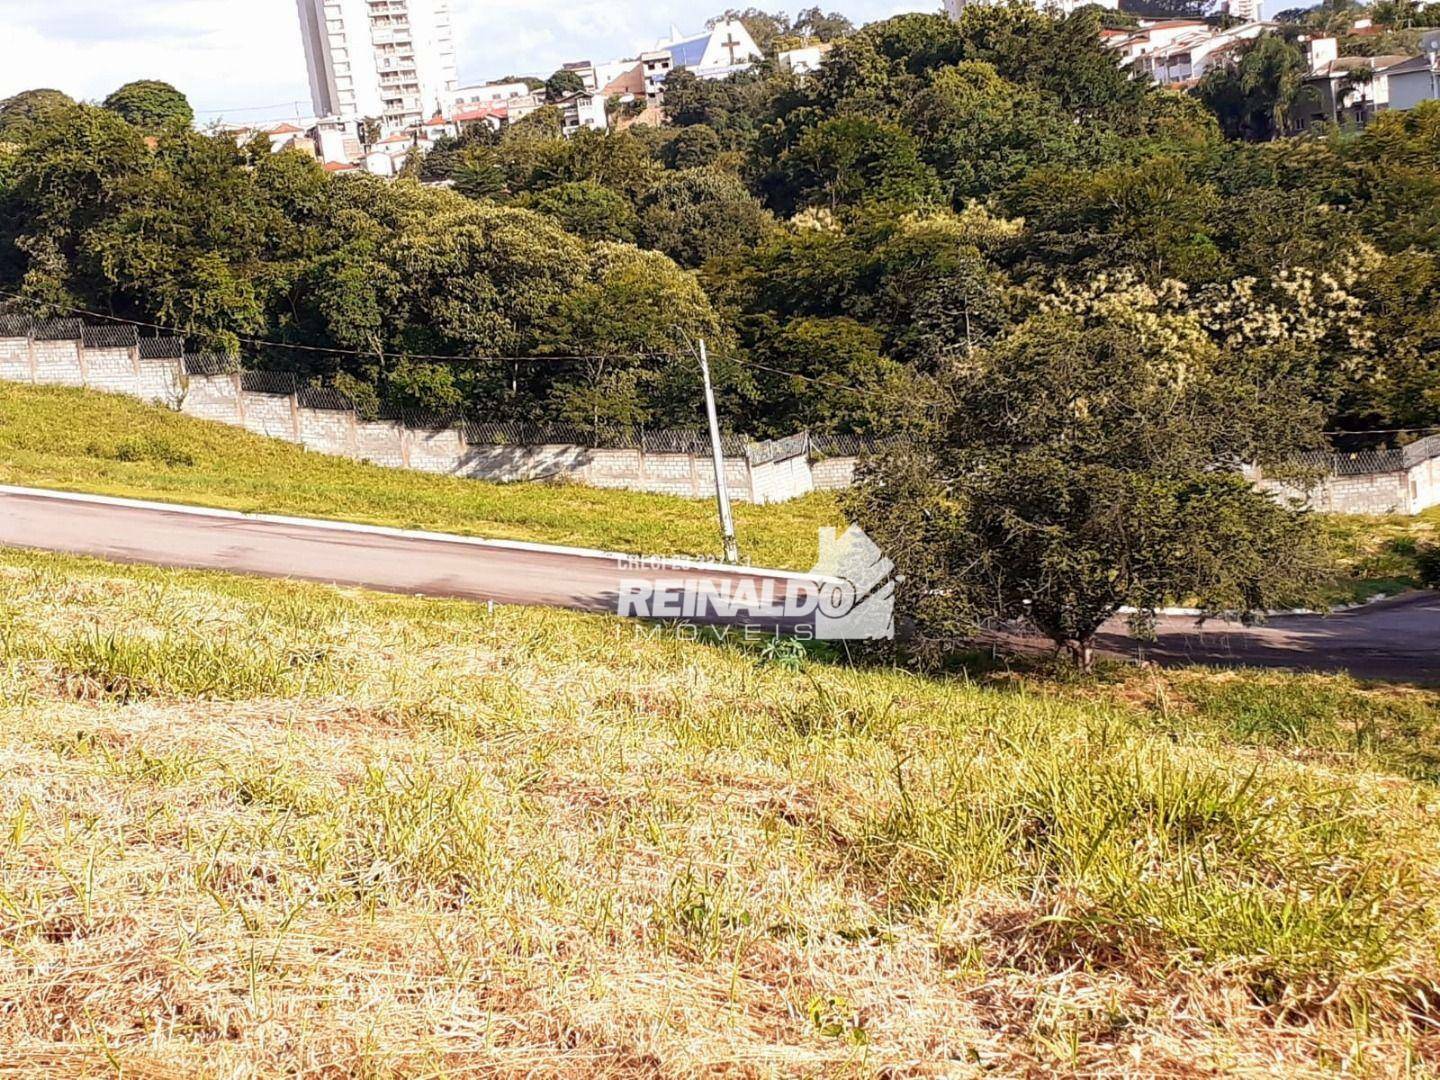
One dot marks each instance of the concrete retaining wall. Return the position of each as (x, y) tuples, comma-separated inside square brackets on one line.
[(155, 370)]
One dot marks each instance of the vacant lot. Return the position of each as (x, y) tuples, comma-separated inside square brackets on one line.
[(80, 440), (249, 828)]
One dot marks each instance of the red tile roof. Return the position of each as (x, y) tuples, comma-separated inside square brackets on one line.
[(501, 111)]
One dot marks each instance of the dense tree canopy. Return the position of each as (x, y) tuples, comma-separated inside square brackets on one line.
[(150, 104), (562, 84), (1071, 469), (909, 205), (28, 106)]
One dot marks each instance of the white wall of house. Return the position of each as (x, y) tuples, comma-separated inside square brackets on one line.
[(1410, 88), (583, 111), (486, 93)]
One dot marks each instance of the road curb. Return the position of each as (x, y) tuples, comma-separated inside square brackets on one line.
[(1271, 614), (642, 563)]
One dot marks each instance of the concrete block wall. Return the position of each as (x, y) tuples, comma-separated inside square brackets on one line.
[(219, 398), (58, 363), (328, 431), (213, 397), (380, 442), (1405, 491), (113, 369), (275, 415), (439, 451), (15, 359), (780, 481), (162, 382), (1369, 493), (614, 468), (833, 473), (508, 464)]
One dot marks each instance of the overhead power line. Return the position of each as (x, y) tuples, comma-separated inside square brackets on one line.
[(1382, 431), (828, 383), (328, 350), (249, 108)]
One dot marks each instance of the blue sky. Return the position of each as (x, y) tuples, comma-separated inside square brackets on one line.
[(242, 58)]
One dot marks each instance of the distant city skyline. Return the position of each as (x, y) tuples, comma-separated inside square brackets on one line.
[(246, 63)]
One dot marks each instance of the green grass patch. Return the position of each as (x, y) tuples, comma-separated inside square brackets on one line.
[(81, 440), (1377, 555), (554, 841)]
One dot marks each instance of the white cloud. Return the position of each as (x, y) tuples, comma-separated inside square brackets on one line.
[(244, 57)]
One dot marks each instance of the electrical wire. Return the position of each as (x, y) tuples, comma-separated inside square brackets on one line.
[(250, 108), (1382, 431), (323, 349), (578, 358)]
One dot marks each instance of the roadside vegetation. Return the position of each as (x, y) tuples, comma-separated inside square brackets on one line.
[(1383, 555), (80, 440), (107, 444), (263, 827)]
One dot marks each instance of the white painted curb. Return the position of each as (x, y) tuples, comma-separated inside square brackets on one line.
[(665, 563), (1196, 612)]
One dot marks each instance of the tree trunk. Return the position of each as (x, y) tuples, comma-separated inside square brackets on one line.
[(1081, 653)]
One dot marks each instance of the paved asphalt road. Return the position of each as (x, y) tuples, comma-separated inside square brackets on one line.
[(1397, 639)]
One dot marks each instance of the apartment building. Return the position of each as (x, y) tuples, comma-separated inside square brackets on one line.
[(391, 60)]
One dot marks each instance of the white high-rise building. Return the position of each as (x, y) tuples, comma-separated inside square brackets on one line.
[(393, 60)]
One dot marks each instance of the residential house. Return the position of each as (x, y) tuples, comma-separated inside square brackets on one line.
[(282, 136), (467, 98), (1344, 90), (339, 141), (1183, 55), (803, 61), (582, 109), (627, 80), (1415, 80), (494, 115)]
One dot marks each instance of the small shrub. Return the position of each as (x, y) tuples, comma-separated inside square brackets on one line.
[(1403, 545), (144, 448), (1427, 565)]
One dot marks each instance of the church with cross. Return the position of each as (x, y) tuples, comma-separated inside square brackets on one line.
[(724, 49)]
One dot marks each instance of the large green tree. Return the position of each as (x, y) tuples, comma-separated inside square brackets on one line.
[(697, 214), (27, 107), (151, 105), (1084, 464)]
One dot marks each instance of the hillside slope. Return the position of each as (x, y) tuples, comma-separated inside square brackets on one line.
[(82, 440), (266, 828)]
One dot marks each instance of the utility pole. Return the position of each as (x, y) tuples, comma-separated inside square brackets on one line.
[(722, 492)]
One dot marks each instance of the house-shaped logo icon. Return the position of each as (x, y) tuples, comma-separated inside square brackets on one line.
[(857, 598)]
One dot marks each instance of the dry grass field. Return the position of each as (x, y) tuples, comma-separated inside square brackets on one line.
[(252, 828)]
